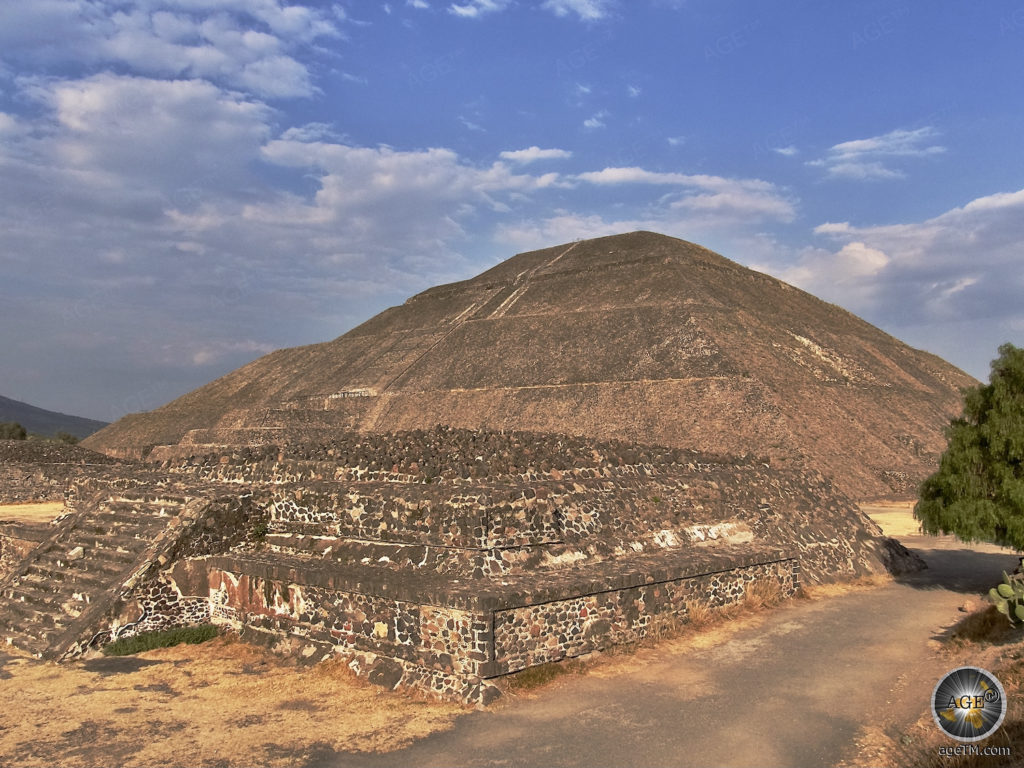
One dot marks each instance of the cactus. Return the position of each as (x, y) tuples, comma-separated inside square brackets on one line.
[(1008, 598)]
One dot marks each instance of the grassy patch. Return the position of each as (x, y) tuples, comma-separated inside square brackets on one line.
[(534, 677), (147, 641)]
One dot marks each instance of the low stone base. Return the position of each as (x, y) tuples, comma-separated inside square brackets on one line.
[(457, 650)]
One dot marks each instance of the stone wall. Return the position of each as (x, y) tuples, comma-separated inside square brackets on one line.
[(538, 634), (16, 541), (38, 471), (456, 650)]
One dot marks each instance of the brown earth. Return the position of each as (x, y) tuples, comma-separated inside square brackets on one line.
[(639, 337), (31, 513), (222, 703)]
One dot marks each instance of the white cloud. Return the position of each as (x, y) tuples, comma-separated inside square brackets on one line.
[(528, 155), (145, 133), (419, 4), (789, 151), (476, 8), (596, 120), (9, 125), (933, 282), (588, 10), (634, 91), (866, 159), (247, 45), (705, 194)]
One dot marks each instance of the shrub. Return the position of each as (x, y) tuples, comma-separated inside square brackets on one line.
[(147, 641), (12, 430)]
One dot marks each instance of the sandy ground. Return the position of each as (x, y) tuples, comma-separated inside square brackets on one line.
[(31, 513), (222, 703), (896, 518)]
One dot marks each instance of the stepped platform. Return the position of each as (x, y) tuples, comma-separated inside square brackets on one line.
[(437, 559)]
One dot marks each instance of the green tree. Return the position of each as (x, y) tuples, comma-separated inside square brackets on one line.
[(12, 430), (978, 492)]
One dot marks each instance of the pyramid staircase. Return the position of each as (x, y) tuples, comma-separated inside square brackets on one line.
[(60, 596)]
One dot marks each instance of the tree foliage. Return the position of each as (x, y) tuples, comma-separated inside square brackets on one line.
[(978, 492), (12, 430)]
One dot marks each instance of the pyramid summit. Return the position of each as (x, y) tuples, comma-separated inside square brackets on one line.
[(637, 337)]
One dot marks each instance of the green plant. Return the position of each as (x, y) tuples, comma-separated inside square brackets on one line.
[(978, 492), (259, 531), (1008, 598), (534, 677), (147, 641), (66, 437), (12, 430)]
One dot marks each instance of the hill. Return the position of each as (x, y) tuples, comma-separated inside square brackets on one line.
[(637, 337), (44, 422)]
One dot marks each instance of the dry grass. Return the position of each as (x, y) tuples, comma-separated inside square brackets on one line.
[(919, 745), (222, 703), (984, 626), (536, 677), (895, 518), (32, 513), (838, 588), (764, 594)]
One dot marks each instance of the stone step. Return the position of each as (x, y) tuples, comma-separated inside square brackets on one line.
[(80, 580), (382, 554), (12, 637), (29, 618), (101, 520), (111, 541), (44, 602), (48, 592), (141, 509), (111, 561)]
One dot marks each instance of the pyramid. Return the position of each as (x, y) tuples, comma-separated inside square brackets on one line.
[(637, 337)]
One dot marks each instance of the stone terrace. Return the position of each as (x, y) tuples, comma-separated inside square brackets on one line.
[(443, 559)]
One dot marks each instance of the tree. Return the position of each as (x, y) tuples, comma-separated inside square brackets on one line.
[(978, 492), (12, 430)]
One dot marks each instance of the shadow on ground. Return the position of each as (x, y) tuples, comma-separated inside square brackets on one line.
[(968, 571)]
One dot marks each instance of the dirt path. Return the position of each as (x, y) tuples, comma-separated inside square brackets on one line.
[(794, 687)]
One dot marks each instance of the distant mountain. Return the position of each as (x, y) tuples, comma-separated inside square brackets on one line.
[(44, 422)]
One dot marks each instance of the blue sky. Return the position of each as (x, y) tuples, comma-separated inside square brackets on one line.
[(188, 184)]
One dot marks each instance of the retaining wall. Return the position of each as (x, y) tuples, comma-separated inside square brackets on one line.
[(456, 649)]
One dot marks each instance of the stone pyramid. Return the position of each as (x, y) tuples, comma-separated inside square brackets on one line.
[(637, 337)]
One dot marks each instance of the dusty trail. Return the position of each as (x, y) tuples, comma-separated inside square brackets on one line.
[(791, 688)]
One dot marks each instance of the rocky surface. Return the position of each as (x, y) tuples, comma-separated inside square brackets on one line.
[(41, 470), (637, 337)]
